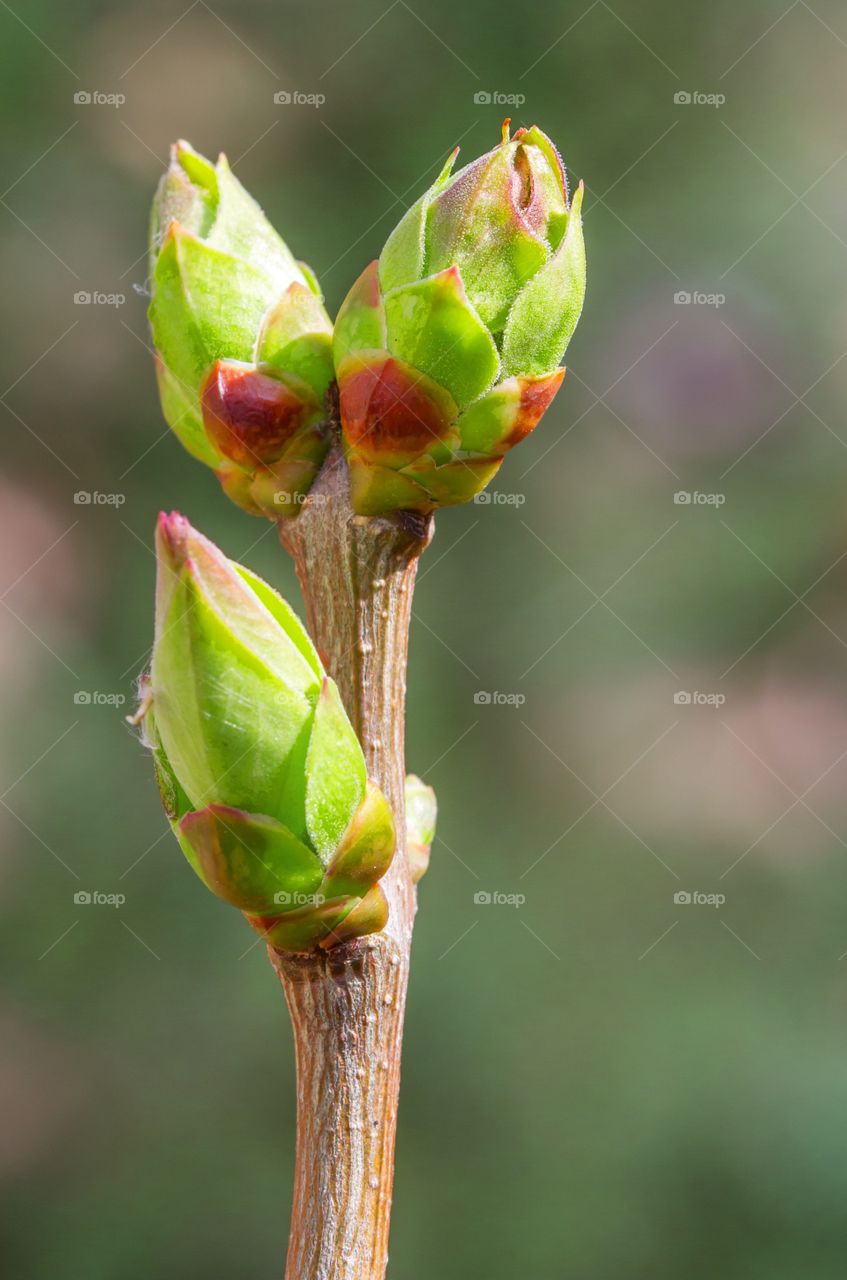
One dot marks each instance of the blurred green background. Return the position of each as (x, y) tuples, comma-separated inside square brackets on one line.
[(603, 1080)]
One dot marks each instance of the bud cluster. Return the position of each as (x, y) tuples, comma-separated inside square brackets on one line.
[(445, 355), (446, 350)]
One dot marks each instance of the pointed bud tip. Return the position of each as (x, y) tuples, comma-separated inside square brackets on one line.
[(179, 149), (172, 534), (505, 129)]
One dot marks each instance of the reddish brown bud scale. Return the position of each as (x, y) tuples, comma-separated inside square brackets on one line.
[(536, 395), (386, 411), (249, 416), (204, 832)]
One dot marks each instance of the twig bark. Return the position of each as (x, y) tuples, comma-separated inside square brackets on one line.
[(347, 1005)]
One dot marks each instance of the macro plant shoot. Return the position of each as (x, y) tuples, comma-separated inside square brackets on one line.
[(423, 656), (278, 744)]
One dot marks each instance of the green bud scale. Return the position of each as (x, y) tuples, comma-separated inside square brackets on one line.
[(261, 773), (447, 348)]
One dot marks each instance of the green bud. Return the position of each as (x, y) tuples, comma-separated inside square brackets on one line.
[(243, 342), (421, 813), (260, 771), (447, 349)]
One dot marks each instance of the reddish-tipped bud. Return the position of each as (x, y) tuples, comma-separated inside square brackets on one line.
[(243, 342), (475, 297)]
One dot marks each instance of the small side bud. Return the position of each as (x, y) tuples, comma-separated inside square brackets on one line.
[(421, 815)]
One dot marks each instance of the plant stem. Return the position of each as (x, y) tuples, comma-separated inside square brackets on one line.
[(347, 1004)]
